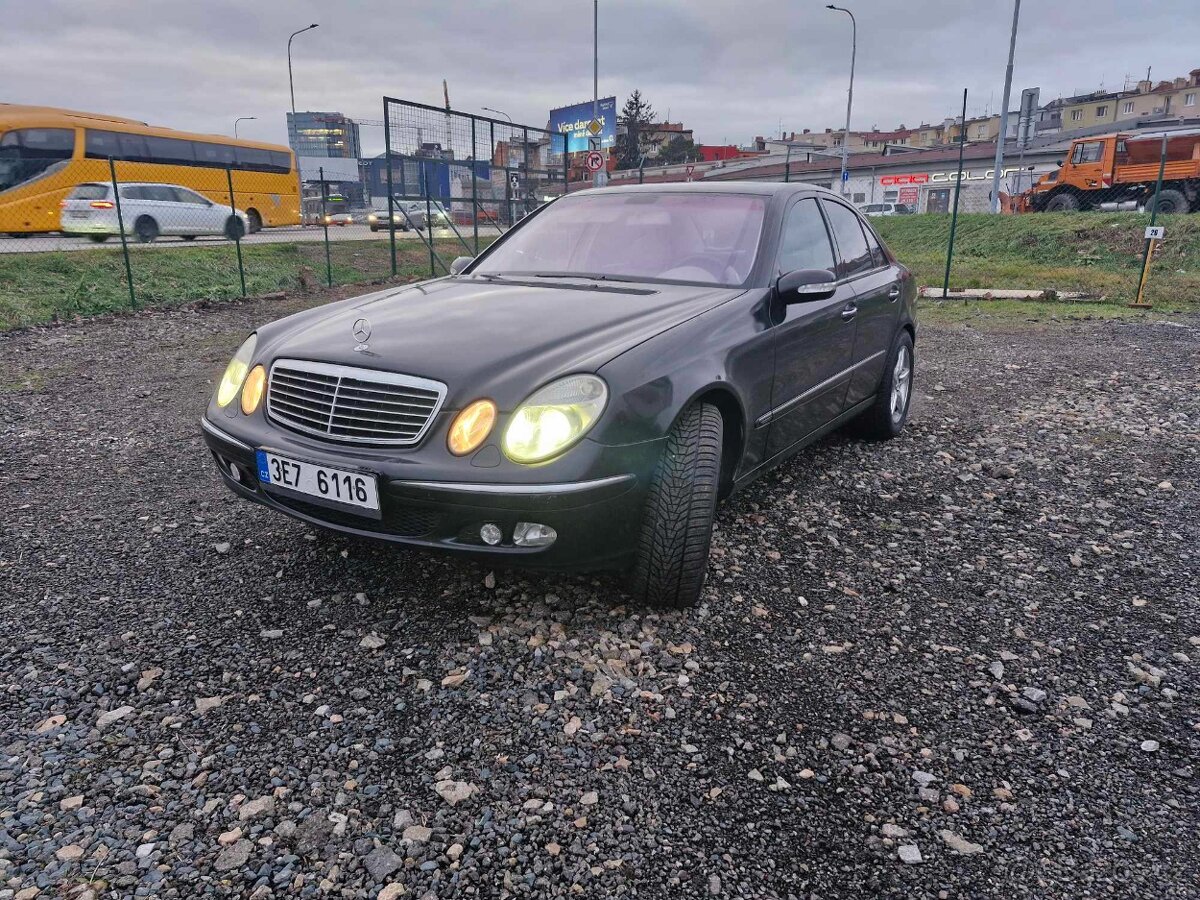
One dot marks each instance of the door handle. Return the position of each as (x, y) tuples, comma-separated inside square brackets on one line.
[(894, 293), (849, 312)]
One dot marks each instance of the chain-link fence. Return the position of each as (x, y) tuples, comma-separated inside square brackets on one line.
[(463, 176), (116, 241)]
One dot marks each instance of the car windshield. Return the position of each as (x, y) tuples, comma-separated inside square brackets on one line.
[(709, 238)]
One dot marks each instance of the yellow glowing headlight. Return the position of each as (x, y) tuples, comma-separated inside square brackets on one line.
[(252, 390), (235, 372), (554, 417), (471, 427)]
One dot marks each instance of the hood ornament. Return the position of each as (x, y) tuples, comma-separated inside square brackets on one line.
[(362, 333)]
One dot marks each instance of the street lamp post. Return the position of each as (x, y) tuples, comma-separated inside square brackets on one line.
[(291, 88), (242, 119), (850, 94), (996, 169), (498, 112)]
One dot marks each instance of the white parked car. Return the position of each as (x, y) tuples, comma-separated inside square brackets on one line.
[(148, 211), (885, 209)]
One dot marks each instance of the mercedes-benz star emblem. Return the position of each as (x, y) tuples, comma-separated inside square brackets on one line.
[(362, 333)]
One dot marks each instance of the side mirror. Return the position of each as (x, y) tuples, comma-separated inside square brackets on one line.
[(801, 285), (460, 263), (1059, 163)]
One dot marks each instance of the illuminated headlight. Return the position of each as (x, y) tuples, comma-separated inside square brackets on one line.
[(554, 417), (235, 372), (372, 218)]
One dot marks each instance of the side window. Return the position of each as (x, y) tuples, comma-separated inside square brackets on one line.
[(133, 148), (1088, 153), (854, 256), (183, 195), (134, 193), (804, 243), (253, 159), (878, 258), (213, 154), (170, 151), (101, 144)]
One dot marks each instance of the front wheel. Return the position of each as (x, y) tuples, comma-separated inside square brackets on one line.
[(1063, 203), (672, 551), (98, 238), (255, 220), (886, 417)]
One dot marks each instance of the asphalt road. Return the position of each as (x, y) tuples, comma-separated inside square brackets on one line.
[(295, 234), (961, 664)]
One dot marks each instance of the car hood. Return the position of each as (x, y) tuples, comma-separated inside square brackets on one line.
[(487, 338)]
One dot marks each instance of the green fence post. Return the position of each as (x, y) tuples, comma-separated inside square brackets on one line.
[(474, 189), (325, 225), (112, 171), (1162, 165), (962, 139), (235, 228), (387, 155)]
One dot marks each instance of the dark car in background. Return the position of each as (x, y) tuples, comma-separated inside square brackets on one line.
[(583, 393)]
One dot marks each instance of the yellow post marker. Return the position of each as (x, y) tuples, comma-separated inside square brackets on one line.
[(1154, 234)]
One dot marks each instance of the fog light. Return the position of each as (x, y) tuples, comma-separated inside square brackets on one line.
[(234, 472), (491, 534), (531, 534)]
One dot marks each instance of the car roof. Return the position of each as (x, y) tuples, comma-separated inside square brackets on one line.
[(765, 188)]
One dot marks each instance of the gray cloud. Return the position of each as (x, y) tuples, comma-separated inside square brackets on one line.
[(728, 70)]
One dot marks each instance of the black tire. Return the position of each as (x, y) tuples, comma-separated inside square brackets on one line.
[(189, 237), (146, 229), (98, 238), (235, 228), (1063, 203), (1171, 201), (255, 221), (883, 420), (374, 229), (672, 550)]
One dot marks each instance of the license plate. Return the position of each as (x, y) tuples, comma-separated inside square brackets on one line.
[(325, 483), (78, 215)]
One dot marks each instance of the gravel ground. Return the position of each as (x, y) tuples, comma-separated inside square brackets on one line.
[(962, 664)]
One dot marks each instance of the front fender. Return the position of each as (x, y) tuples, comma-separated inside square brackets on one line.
[(729, 349)]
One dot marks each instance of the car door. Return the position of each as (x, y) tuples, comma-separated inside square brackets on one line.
[(814, 339), (202, 216), (877, 293)]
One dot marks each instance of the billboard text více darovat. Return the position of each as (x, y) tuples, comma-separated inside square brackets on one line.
[(573, 122)]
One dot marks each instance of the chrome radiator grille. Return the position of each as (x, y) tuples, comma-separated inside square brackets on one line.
[(345, 403)]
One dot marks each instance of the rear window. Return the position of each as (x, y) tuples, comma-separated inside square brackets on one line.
[(90, 192)]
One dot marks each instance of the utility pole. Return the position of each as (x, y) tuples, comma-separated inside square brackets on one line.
[(999, 164), (291, 87), (600, 178), (850, 93)]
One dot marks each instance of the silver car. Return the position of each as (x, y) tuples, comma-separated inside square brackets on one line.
[(148, 212)]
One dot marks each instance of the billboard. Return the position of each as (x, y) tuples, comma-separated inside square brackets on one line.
[(573, 122)]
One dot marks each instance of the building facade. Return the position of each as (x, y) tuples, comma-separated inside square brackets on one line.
[(324, 134)]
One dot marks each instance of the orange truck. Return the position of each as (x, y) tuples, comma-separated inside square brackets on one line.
[(1119, 171)]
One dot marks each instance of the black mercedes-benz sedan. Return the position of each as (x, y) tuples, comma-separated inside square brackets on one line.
[(584, 392)]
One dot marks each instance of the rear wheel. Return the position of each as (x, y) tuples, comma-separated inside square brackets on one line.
[(189, 237), (235, 229), (1063, 203), (1172, 201), (146, 229), (886, 417), (255, 221), (672, 551), (98, 238)]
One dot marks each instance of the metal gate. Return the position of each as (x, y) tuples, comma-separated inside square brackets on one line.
[(457, 179)]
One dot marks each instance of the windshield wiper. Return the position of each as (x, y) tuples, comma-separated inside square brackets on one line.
[(586, 276)]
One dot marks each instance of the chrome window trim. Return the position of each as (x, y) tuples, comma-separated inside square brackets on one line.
[(331, 370)]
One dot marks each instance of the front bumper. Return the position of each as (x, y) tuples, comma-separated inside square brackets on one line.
[(597, 517)]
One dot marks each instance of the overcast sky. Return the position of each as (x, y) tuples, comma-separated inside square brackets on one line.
[(729, 70)]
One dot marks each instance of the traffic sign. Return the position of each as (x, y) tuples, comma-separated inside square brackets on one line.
[(594, 161), (845, 176), (514, 181), (594, 127), (1155, 232), (690, 170)]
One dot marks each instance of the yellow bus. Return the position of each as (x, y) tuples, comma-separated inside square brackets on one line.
[(45, 152)]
